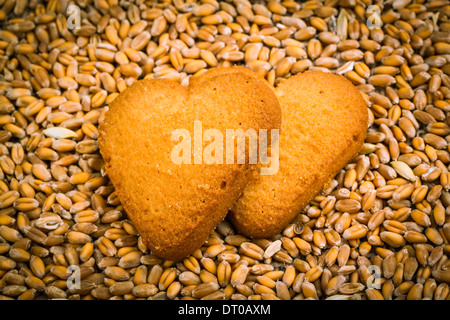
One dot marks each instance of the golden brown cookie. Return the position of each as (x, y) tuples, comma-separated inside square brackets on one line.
[(324, 126), (149, 145)]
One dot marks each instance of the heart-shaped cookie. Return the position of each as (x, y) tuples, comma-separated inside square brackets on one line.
[(324, 125), (161, 145)]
